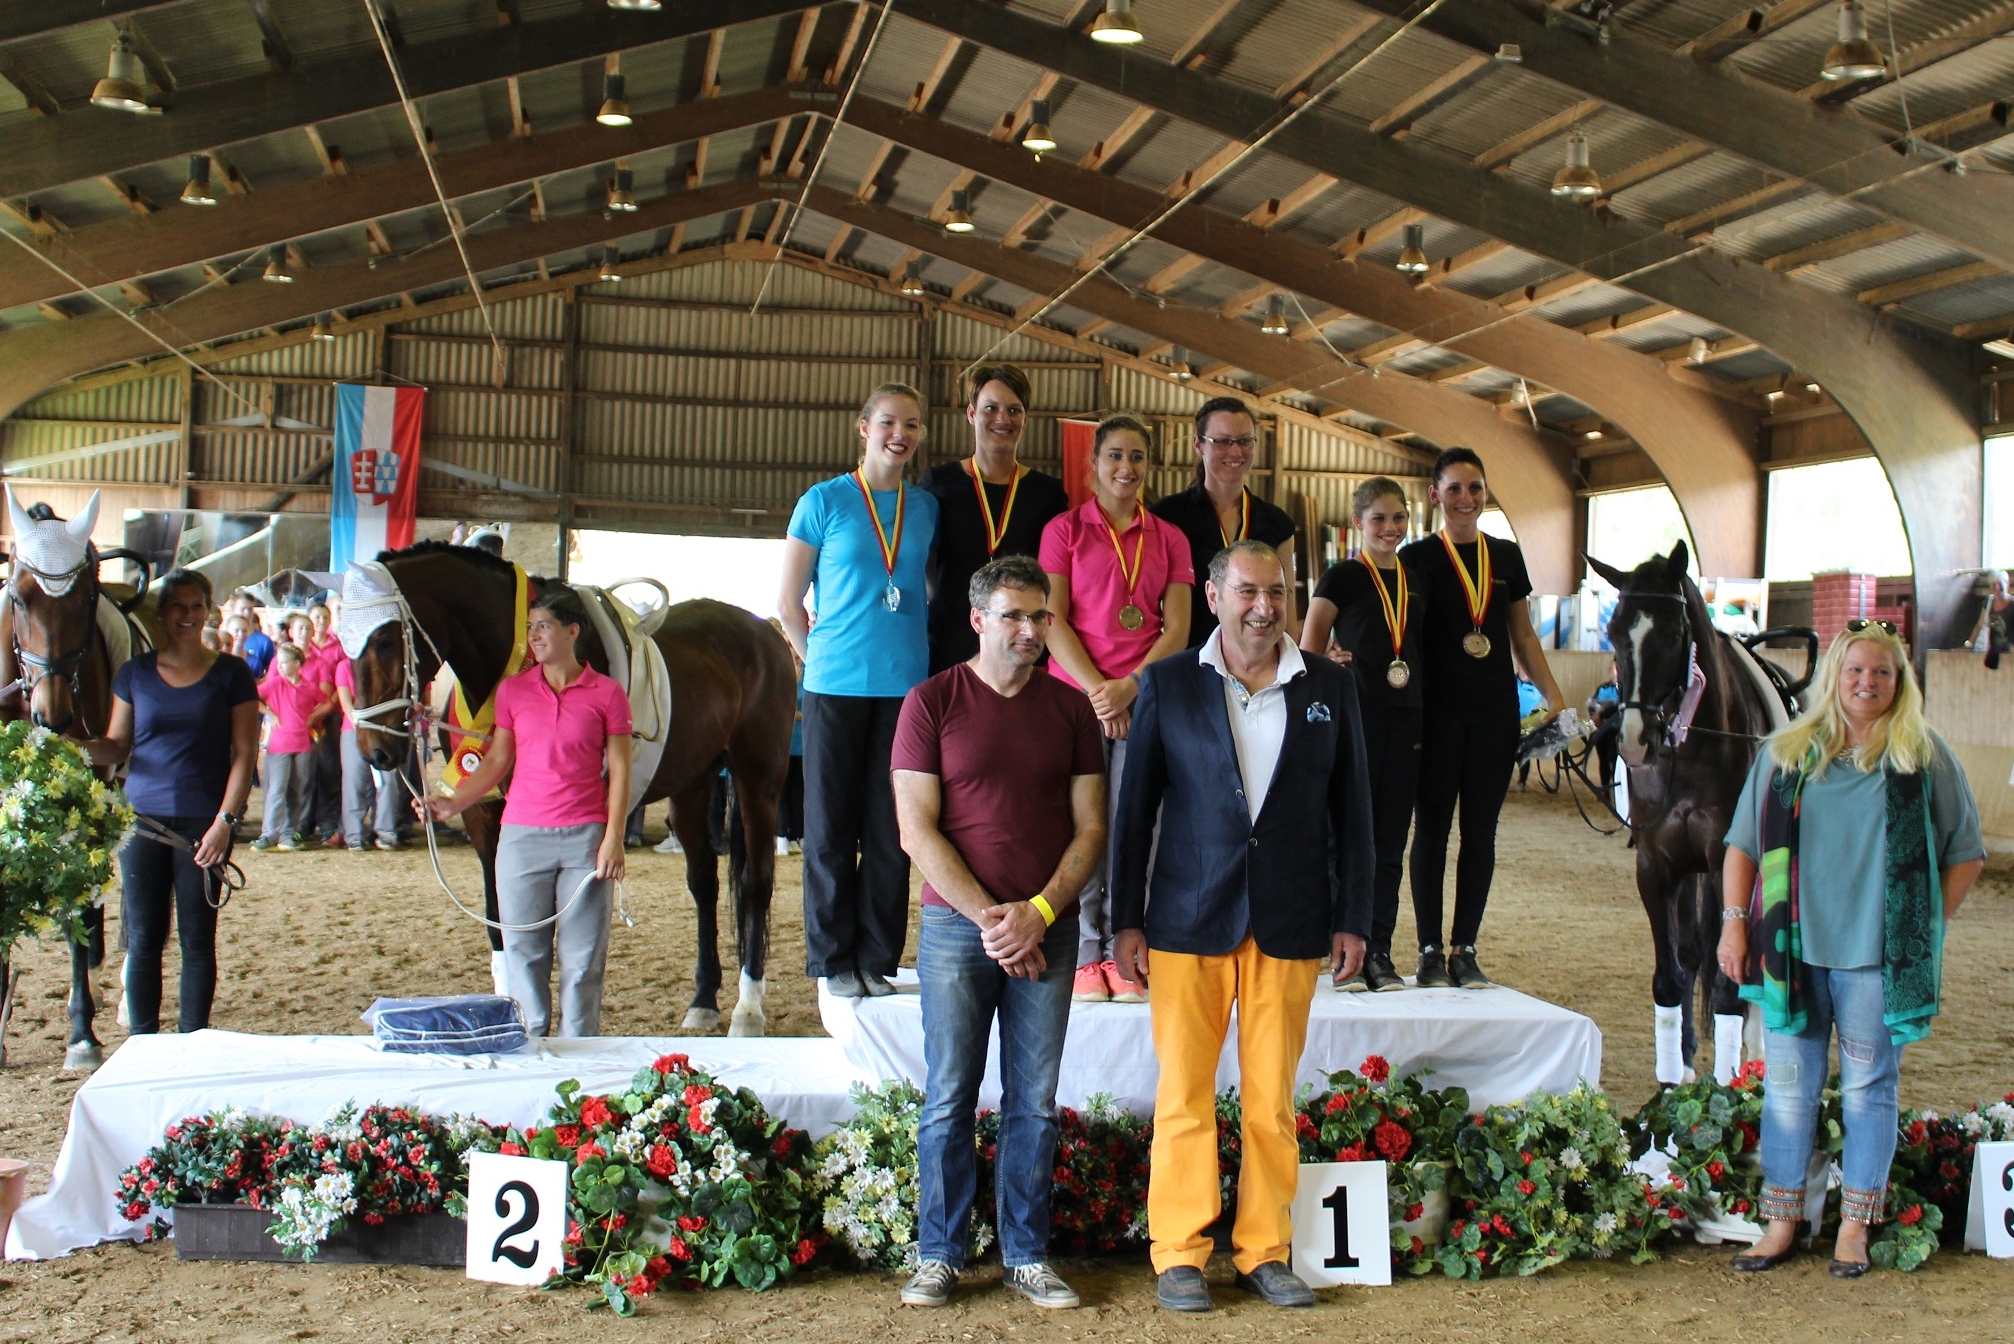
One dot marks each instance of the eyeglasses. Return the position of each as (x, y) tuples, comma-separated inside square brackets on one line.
[(1245, 441), (1860, 623), (1034, 620)]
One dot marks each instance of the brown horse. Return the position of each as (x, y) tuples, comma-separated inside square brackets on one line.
[(56, 669), (1683, 785), (734, 692)]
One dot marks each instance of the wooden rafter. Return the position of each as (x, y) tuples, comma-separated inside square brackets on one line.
[(1399, 120), (1811, 254), (1500, 155)]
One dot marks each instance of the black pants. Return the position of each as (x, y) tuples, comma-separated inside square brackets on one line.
[(325, 783), (1392, 757), (160, 879), (790, 813), (856, 877), (1467, 764)]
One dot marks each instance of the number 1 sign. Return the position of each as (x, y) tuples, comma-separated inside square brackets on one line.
[(517, 1219), (1342, 1225), (1989, 1222)]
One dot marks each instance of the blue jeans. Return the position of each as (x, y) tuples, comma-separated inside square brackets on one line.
[(1870, 1071), (963, 989)]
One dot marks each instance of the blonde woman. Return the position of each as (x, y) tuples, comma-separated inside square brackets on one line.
[(1866, 838)]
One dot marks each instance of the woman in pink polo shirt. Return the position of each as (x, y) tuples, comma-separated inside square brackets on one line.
[(1119, 585), (562, 737)]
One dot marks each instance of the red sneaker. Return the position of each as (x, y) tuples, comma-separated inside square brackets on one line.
[(1122, 989), (1089, 985)]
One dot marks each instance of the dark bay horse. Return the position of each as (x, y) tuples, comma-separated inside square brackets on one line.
[(1684, 783), (734, 694), (56, 668)]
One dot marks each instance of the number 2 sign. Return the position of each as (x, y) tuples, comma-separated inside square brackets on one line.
[(517, 1218), (1342, 1225), (1989, 1222)]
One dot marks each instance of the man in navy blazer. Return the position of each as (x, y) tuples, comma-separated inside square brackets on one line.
[(1251, 760)]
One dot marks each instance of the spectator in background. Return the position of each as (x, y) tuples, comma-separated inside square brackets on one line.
[(1604, 711), (1994, 635), (790, 812), (325, 788), (368, 793), (258, 647), (298, 708)]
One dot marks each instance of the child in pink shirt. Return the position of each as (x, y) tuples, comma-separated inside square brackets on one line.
[(297, 707)]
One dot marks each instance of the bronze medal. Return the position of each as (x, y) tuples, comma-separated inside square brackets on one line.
[(1476, 644), (1398, 674), (1131, 617)]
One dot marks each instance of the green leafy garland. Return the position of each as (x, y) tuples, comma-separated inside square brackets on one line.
[(60, 825)]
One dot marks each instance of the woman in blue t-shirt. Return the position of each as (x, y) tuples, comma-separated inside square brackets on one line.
[(863, 539), (185, 719)]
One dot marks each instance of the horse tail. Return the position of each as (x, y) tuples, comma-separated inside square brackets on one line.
[(737, 855)]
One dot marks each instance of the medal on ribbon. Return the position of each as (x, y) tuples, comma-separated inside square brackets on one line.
[(995, 533), (1394, 605), (1130, 615), (1244, 519), (1476, 592), (890, 545)]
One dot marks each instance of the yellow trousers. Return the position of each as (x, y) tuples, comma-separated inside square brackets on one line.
[(1191, 1001)]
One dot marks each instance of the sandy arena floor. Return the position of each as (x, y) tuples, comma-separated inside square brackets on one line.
[(317, 935)]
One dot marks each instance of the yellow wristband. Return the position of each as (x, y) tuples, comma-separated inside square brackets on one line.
[(1042, 907)]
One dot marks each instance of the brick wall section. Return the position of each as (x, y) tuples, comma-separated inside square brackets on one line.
[(1837, 597)]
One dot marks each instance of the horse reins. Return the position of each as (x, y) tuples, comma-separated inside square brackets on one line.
[(68, 666), (220, 880), (1664, 709)]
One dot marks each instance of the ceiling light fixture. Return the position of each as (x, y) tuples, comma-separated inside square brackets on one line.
[(647, 5), (621, 192), (1697, 350), (1116, 25), (1853, 56), (1592, 434), (960, 218), (320, 331), (2001, 347), (1036, 138), (912, 281), (1577, 179), (120, 88), (1276, 318), (609, 273), (1413, 258), (1184, 371), (277, 270), (198, 191), (614, 102)]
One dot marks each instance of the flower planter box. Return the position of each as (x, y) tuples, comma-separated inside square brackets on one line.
[(238, 1232)]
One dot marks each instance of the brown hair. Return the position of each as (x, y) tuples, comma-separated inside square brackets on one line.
[(1113, 424), (1010, 374), (1373, 490)]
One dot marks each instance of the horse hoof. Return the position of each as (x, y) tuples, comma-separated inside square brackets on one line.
[(701, 1019), (748, 1024), (83, 1057)]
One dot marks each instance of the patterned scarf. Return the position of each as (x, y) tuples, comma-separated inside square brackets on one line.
[(1912, 912)]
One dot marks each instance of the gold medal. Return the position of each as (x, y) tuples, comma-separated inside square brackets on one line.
[(1476, 644), (1131, 617), (1397, 675), (1476, 591)]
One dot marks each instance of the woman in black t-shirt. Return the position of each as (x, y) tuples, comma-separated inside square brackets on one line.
[(1476, 635), (1373, 606)]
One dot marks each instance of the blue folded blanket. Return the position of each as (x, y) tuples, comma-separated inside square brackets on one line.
[(458, 1024)]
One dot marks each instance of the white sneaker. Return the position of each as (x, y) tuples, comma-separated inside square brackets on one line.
[(931, 1286), (669, 845), (498, 979), (782, 848)]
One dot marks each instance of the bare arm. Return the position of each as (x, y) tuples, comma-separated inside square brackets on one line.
[(1175, 604), (919, 802), (1529, 653), (216, 842), (1737, 880), (1958, 880), (117, 743), (1064, 646), (497, 762), (610, 862), (799, 560)]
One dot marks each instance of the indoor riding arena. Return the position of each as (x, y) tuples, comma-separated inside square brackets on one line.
[(501, 834)]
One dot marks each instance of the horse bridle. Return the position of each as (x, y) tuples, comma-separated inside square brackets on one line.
[(416, 723), (1666, 709), (42, 666)]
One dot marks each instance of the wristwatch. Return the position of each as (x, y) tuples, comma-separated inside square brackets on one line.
[(229, 818)]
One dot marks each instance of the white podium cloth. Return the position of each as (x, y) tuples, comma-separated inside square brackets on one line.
[(152, 1081), (1499, 1044)]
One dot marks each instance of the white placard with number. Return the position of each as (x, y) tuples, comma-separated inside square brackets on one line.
[(1342, 1225), (1989, 1219), (517, 1219)]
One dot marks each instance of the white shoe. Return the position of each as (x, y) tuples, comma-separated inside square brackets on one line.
[(669, 845), (498, 979), (782, 848)]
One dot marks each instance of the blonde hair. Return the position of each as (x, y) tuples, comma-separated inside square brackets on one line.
[(1900, 741), (885, 391)]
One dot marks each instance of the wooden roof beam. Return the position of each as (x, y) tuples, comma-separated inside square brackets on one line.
[(800, 48), (1109, 148), (932, 83), (709, 69), (1302, 82), (272, 39), (1798, 258), (1500, 155), (40, 101), (1731, 35), (1602, 328), (1399, 120), (1270, 212), (1883, 296), (1373, 234), (1013, 123)]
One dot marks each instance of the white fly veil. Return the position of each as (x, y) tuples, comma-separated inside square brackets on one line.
[(55, 551), (370, 599)]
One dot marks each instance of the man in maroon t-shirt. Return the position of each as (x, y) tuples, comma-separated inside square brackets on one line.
[(1000, 791)]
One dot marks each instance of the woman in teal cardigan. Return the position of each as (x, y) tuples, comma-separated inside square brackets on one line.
[(1859, 823)]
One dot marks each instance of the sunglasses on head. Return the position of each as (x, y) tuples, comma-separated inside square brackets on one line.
[(1860, 623)]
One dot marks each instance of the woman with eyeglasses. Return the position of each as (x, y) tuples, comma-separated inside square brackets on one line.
[(1220, 508), (1476, 637), (1119, 584), (1854, 843)]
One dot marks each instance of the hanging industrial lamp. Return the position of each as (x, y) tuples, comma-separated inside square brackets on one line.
[(621, 192), (1036, 138), (1116, 26), (120, 88), (614, 102), (959, 220), (1184, 371), (1576, 178), (1276, 318), (320, 331), (1413, 257), (198, 192), (609, 273), (912, 281), (277, 270), (636, 4), (1853, 56)]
